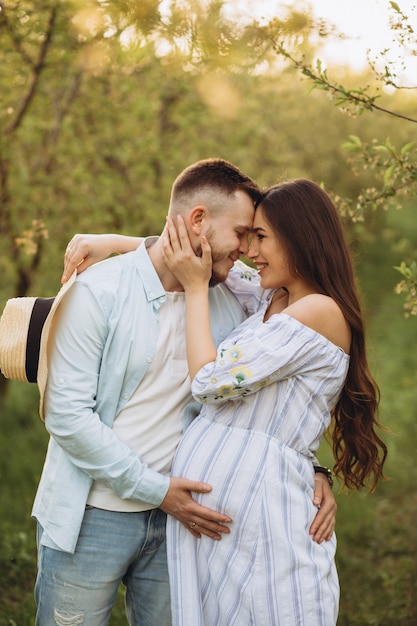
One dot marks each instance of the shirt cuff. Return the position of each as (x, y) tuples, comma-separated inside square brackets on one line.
[(152, 488)]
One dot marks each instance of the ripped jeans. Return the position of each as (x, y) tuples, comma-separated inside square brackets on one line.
[(81, 588)]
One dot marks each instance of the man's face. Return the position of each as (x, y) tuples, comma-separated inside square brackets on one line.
[(228, 234)]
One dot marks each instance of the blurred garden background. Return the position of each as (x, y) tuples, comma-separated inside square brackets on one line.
[(103, 103)]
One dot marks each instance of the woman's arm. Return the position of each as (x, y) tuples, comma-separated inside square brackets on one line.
[(85, 250), (193, 273)]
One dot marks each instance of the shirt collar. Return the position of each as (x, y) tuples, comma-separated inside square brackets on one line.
[(150, 279)]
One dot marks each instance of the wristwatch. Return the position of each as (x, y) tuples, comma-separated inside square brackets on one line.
[(319, 469)]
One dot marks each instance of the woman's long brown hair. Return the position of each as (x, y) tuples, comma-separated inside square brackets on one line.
[(306, 220)]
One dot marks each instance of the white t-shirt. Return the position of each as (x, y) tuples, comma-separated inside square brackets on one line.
[(150, 423)]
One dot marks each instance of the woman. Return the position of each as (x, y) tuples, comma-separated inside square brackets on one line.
[(269, 393)]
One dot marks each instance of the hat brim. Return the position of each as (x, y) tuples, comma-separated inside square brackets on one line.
[(25, 325), (42, 376)]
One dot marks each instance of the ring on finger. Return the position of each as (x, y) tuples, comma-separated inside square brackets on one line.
[(193, 524)]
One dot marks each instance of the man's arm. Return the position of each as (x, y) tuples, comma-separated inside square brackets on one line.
[(324, 523), (75, 405), (72, 419)]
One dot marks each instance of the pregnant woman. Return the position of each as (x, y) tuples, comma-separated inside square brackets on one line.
[(270, 391)]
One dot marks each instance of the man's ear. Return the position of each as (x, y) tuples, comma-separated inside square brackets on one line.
[(196, 219)]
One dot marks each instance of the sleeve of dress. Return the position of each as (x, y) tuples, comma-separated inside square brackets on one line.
[(243, 281), (259, 354)]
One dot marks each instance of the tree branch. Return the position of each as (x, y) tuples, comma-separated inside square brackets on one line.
[(37, 70), (16, 41), (357, 96)]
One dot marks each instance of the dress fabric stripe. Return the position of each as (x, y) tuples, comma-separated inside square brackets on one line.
[(256, 452)]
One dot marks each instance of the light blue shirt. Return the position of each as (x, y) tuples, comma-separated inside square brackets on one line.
[(105, 336)]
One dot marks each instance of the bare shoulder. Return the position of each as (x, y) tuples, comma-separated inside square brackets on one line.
[(323, 315)]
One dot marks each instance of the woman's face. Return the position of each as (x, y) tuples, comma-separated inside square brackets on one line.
[(269, 255)]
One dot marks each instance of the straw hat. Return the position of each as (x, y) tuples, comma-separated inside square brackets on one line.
[(24, 330)]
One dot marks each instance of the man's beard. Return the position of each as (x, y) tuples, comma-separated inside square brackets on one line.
[(215, 280)]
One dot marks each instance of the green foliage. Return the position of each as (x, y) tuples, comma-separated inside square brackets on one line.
[(102, 104), (378, 539), (396, 168), (377, 542), (22, 452), (395, 171), (408, 286)]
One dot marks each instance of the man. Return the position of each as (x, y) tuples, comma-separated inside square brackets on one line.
[(117, 394)]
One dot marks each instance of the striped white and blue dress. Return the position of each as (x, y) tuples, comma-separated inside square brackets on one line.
[(266, 405)]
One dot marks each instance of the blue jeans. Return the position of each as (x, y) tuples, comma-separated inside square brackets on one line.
[(113, 547)]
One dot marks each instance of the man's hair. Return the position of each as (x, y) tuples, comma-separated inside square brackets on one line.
[(207, 180)]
